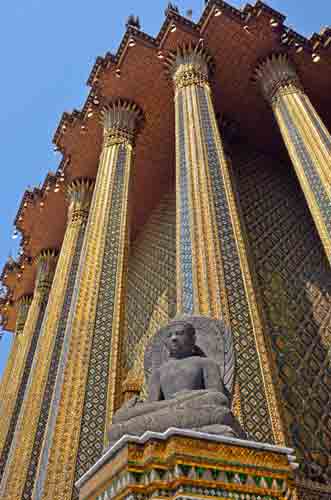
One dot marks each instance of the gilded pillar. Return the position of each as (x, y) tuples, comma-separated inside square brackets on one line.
[(199, 287), (23, 305), (21, 474), (89, 376), (307, 140), (28, 334), (6, 387), (213, 273)]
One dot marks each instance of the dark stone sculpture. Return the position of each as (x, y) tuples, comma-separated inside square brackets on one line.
[(187, 388)]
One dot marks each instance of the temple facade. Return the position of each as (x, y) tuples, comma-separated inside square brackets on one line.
[(195, 180)]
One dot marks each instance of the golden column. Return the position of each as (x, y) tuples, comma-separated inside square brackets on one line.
[(23, 305), (307, 140), (22, 468), (213, 272), (88, 379), (199, 288), (25, 356), (7, 389)]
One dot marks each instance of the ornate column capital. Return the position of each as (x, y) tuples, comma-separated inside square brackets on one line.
[(120, 120), (25, 300), (277, 76), (189, 65), (46, 264), (23, 305), (79, 193)]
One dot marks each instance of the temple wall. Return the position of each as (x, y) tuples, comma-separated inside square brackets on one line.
[(295, 284)]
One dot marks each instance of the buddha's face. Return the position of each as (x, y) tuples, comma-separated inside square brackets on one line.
[(180, 340)]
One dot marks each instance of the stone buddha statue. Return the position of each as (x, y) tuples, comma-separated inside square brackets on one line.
[(187, 388)]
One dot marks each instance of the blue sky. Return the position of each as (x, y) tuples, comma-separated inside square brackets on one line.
[(47, 51)]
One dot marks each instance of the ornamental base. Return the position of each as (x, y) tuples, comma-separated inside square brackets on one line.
[(183, 464)]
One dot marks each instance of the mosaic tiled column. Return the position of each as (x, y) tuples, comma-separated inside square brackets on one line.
[(23, 305), (199, 288), (79, 195), (307, 140), (87, 380), (28, 338), (14, 359), (213, 274), (37, 405)]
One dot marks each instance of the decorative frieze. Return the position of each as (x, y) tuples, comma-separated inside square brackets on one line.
[(186, 464)]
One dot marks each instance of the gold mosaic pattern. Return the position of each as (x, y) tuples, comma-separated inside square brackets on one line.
[(57, 482), (46, 408), (151, 292)]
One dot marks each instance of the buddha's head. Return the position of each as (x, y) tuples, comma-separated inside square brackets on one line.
[(179, 338)]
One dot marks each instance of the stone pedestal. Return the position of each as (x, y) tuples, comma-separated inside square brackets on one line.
[(184, 464)]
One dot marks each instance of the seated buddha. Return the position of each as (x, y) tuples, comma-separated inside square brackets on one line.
[(186, 391)]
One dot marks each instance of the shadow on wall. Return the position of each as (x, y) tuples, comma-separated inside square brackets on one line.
[(295, 282)]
